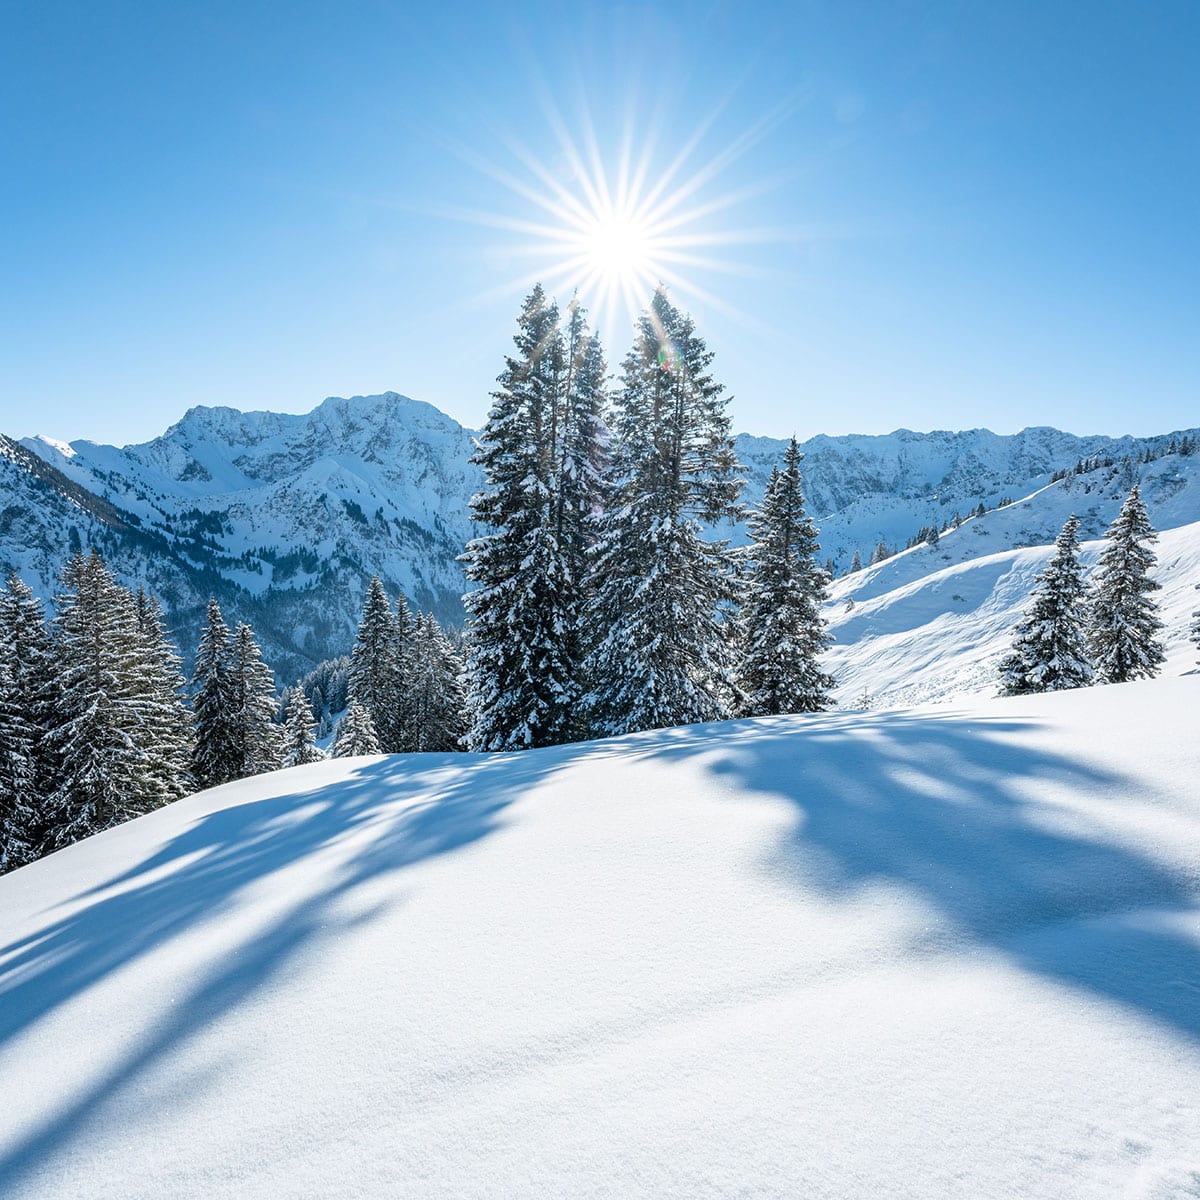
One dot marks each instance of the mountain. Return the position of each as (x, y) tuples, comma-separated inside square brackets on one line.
[(923, 954), (285, 517)]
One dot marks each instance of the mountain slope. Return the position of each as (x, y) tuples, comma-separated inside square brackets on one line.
[(918, 954), (933, 622)]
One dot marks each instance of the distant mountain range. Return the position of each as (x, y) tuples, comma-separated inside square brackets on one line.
[(283, 518)]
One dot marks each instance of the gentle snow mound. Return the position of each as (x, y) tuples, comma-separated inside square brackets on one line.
[(923, 953)]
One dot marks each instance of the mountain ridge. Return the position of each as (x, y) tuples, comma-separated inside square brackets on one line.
[(285, 516)]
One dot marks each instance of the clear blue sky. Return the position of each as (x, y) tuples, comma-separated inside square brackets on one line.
[(980, 213)]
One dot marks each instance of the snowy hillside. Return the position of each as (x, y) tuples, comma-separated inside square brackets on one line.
[(285, 517), (932, 622), (917, 954)]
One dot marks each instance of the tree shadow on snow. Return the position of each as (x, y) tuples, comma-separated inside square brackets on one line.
[(943, 807), (390, 814)]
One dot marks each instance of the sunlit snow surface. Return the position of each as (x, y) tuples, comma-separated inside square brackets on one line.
[(940, 952)]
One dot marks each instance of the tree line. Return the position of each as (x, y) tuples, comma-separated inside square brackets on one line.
[(98, 725)]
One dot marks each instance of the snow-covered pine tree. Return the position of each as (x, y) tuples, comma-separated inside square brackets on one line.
[(521, 681), (1050, 649), (27, 689), (375, 663), (782, 631), (216, 757), (660, 656), (355, 733), (1124, 618), (106, 777), (259, 738), (1195, 630), (580, 481), (856, 562), (299, 732), (165, 727), (437, 708)]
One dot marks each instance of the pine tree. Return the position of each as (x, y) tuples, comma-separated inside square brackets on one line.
[(375, 663), (1125, 624), (259, 741), (299, 732), (216, 757), (99, 707), (1050, 650), (520, 677), (165, 726), (783, 632), (1195, 630), (355, 733), (27, 769), (660, 655), (436, 712), (856, 562)]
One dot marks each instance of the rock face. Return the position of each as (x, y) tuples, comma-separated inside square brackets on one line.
[(284, 518)]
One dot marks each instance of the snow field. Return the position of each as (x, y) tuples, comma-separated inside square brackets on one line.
[(924, 953)]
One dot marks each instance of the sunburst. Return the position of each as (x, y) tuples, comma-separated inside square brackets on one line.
[(611, 227)]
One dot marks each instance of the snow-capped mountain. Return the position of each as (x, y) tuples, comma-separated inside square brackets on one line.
[(284, 517)]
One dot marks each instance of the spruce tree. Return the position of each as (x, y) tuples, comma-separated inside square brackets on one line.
[(355, 733), (782, 631), (216, 756), (660, 655), (98, 736), (165, 726), (299, 732), (259, 739), (1050, 649), (1125, 624), (436, 712), (521, 678), (375, 663), (27, 767), (1195, 630)]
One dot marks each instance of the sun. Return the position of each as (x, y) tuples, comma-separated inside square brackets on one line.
[(618, 247), (608, 228)]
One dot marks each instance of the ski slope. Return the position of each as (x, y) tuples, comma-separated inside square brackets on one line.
[(938, 952)]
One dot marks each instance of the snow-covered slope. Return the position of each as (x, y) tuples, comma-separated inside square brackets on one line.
[(933, 622), (915, 954)]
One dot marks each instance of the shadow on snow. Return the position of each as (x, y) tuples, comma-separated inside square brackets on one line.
[(937, 805)]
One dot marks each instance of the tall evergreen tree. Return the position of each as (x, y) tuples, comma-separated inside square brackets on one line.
[(355, 733), (165, 726), (375, 663), (299, 732), (1050, 649), (216, 756), (437, 708), (259, 739), (27, 770), (520, 676), (1125, 624), (660, 656), (782, 631), (106, 777)]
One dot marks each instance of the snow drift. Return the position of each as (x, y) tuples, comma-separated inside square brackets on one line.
[(922, 953)]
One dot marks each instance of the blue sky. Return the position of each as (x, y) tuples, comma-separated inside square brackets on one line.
[(948, 215)]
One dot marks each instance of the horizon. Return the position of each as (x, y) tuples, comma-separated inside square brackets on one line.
[(54, 439)]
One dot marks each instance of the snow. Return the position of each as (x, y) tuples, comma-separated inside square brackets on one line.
[(919, 631), (924, 953)]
